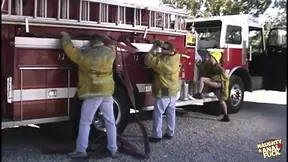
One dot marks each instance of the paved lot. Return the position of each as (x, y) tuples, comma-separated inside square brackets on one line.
[(199, 137)]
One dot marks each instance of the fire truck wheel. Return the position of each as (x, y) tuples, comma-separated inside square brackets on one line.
[(236, 94), (121, 113)]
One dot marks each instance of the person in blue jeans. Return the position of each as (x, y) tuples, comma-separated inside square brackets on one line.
[(95, 87), (165, 86)]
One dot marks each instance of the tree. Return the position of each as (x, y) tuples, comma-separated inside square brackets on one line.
[(193, 6), (281, 18), (223, 7)]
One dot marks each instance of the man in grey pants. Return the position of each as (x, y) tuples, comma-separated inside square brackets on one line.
[(165, 65), (95, 87)]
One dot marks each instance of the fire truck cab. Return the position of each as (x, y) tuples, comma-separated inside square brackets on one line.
[(247, 56), (40, 82)]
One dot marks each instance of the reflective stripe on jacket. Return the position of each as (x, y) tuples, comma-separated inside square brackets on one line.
[(166, 74), (95, 69)]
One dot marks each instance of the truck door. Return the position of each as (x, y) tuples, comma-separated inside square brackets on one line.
[(276, 48), (256, 56)]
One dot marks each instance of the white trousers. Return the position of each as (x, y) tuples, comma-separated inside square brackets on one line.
[(89, 108), (164, 105)]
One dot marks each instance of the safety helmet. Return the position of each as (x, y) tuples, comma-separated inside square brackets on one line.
[(216, 55)]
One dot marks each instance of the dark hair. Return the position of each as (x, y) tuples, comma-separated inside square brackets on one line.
[(95, 38), (168, 46)]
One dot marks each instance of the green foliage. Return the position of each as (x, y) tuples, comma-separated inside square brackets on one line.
[(223, 7), (281, 19), (193, 6)]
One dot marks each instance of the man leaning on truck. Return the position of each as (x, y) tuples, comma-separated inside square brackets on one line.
[(165, 86), (95, 87)]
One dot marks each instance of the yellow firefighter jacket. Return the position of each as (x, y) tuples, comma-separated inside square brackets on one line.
[(166, 74), (95, 74), (217, 74)]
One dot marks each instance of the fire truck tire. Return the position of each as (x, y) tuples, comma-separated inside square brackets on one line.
[(120, 105), (236, 94)]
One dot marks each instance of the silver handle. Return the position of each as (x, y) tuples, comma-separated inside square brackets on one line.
[(228, 54), (63, 56), (136, 57), (59, 56), (250, 53)]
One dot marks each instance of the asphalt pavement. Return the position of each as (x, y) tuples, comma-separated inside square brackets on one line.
[(198, 138)]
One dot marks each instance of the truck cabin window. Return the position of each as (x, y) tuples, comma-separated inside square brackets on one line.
[(255, 40), (208, 38), (278, 37), (233, 34)]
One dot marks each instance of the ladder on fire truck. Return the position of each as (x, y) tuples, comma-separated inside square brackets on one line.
[(95, 14)]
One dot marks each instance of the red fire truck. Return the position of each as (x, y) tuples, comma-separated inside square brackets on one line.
[(39, 82)]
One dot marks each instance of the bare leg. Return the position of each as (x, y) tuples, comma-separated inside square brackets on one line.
[(223, 106), (201, 85), (207, 81)]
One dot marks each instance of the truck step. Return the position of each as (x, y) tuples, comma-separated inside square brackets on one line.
[(8, 123), (179, 103), (206, 98)]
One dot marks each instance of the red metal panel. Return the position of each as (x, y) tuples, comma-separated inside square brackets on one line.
[(32, 79), (42, 57), (7, 60), (30, 110), (35, 57), (145, 17), (56, 108), (57, 78), (44, 78), (187, 70), (73, 9), (235, 58), (94, 11), (147, 99), (39, 78), (38, 109), (112, 13), (52, 6), (28, 8), (137, 72)]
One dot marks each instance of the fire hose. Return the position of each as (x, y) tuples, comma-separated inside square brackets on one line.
[(123, 145)]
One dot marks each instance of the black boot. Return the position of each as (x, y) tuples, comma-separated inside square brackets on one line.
[(154, 140), (225, 118), (166, 136)]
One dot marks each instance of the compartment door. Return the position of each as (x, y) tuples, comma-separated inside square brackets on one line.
[(58, 91)]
